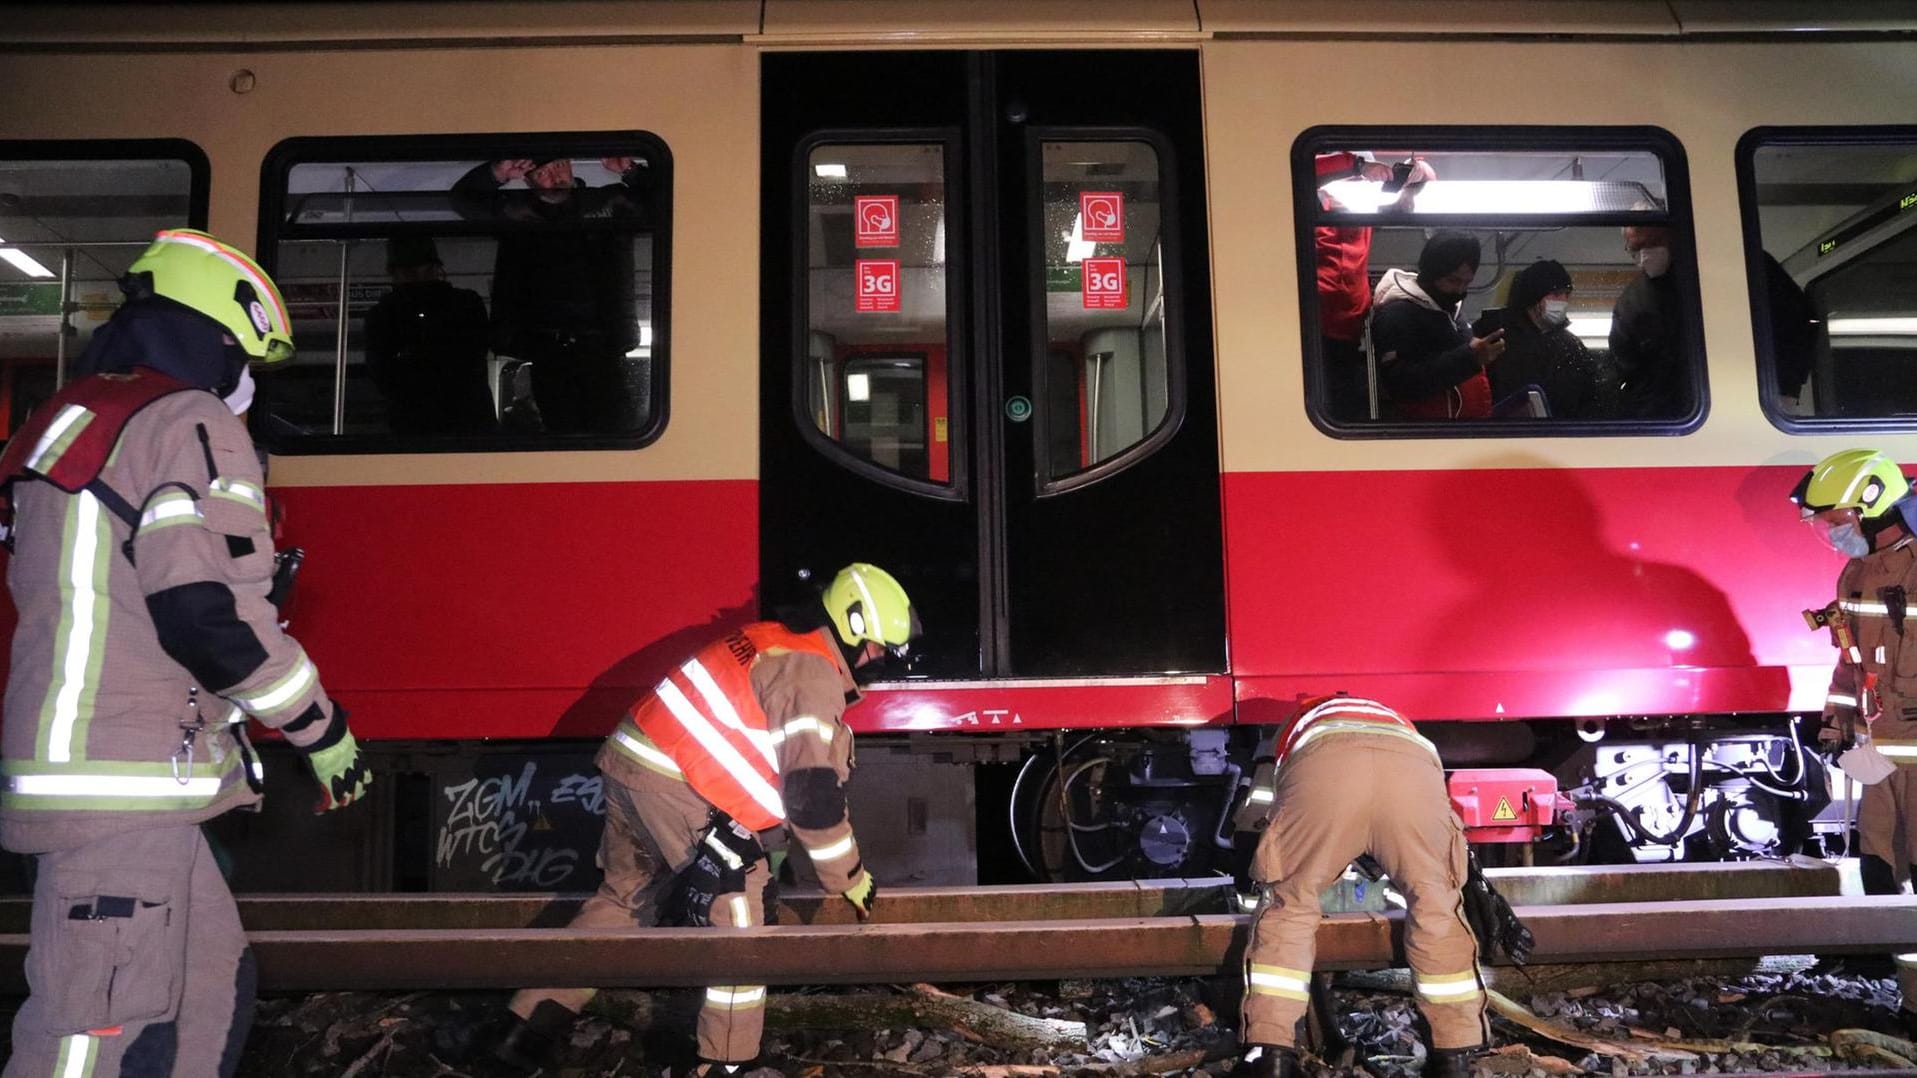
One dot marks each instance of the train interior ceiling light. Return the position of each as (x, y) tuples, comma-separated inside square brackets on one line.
[(22, 261), (1503, 197)]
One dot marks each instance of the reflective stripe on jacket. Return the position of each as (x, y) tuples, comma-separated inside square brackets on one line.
[(706, 719), (1347, 714)]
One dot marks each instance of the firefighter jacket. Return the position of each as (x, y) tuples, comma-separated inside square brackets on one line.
[(141, 647), (1872, 591), (753, 723), (1337, 715)]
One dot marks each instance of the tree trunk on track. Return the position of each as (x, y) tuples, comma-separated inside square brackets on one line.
[(923, 1007)]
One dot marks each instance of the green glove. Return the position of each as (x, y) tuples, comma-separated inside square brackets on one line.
[(863, 894), (342, 772)]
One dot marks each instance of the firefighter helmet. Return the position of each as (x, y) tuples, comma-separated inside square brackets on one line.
[(1861, 479), (197, 271), (865, 603)]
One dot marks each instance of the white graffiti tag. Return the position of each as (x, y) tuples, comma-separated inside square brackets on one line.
[(494, 819)]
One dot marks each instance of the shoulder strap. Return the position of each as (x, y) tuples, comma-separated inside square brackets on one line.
[(68, 439)]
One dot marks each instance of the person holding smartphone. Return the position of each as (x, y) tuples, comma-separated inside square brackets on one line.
[(1430, 364), (1541, 351)]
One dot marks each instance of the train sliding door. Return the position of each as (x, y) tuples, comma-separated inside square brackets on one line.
[(987, 360)]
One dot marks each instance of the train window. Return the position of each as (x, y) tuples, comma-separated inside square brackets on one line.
[(1106, 379), (73, 216), (1831, 242), (874, 370), (505, 292), (1497, 281)]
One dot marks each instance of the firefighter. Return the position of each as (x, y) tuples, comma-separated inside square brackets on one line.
[(1859, 503), (741, 742), (141, 563), (1355, 777)]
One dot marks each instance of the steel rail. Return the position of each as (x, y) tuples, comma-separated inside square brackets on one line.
[(1022, 902), (1174, 945)]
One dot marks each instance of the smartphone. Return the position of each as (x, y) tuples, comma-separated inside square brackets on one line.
[(1489, 321), (1400, 172)]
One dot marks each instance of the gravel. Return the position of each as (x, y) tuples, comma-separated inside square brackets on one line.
[(1779, 1021)]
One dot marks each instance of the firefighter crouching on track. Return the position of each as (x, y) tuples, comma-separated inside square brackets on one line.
[(1355, 777), (744, 738), (140, 570), (1860, 503)]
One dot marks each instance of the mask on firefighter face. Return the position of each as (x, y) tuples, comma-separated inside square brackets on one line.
[(1848, 539)]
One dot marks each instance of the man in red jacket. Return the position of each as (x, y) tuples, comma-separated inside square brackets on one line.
[(1343, 257)]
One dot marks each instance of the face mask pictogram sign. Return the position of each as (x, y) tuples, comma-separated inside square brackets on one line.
[(1101, 216), (875, 221)]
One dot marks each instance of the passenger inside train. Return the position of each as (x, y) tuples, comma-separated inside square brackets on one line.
[(560, 239), (1523, 204)]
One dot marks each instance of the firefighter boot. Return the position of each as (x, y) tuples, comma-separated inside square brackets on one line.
[(1450, 1062), (1268, 1061), (522, 1045)]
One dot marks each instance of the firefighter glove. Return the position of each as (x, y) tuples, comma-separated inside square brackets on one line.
[(342, 771), (1492, 921), (719, 864), (863, 894)]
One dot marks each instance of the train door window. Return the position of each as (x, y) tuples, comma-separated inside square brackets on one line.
[(468, 293), (1106, 384), (73, 216), (1831, 245), (875, 378), (1497, 281)]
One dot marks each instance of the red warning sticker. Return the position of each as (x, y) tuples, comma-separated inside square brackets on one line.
[(878, 284), (875, 221), (1101, 216), (1103, 284)]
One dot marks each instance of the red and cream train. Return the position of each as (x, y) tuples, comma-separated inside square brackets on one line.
[(1090, 436)]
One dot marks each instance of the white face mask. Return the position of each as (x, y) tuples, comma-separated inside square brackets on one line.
[(1848, 540), (1654, 261), (241, 398), (1557, 312)]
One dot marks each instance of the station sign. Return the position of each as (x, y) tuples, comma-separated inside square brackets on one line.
[(878, 284), (875, 221)]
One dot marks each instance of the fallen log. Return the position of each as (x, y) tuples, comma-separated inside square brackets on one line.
[(923, 1007)]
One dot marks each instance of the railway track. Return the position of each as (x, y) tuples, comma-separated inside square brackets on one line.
[(1161, 927)]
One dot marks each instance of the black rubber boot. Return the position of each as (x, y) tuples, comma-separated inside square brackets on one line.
[(520, 1044), (1267, 1061), (1450, 1062)]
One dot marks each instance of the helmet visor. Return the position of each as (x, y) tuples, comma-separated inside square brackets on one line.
[(1828, 523)]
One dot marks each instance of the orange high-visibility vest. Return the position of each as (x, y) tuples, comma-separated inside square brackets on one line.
[(1347, 713), (707, 718)]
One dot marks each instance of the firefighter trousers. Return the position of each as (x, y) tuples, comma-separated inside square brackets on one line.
[(1339, 796), (1887, 830), (137, 964), (651, 830)]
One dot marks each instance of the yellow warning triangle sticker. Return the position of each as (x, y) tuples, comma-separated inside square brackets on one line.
[(1504, 810)]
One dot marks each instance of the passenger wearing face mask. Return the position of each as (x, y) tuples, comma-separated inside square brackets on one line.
[(1859, 503), (1541, 351), (1647, 331), (1429, 364)]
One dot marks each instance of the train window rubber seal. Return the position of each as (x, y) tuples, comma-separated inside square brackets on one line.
[(1171, 287), (958, 370), (277, 167), (1763, 344), (1491, 139)]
